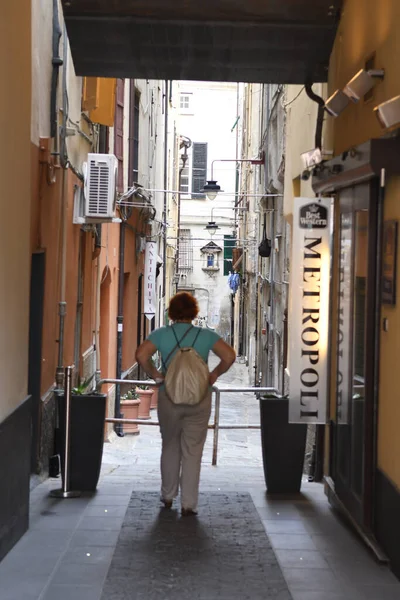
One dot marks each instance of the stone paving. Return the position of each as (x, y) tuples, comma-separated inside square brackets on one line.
[(221, 555), (67, 552)]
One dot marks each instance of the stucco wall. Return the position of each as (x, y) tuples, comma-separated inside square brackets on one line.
[(366, 27), (15, 177)]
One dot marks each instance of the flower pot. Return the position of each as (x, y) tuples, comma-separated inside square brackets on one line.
[(145, 401), (88, 413), (154, 398), (130, 410), (283, 447)]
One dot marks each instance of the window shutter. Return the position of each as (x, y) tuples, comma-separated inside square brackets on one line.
[(104, 113), (90, 93), (199, 169), (229, 245), (119, 132)]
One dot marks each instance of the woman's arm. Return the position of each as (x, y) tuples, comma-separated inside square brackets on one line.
[(227, 355), (143, 356)]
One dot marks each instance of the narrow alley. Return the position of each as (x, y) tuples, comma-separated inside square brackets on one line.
[(118, 544), (229, 169)]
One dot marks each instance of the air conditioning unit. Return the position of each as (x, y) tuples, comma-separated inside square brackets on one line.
[(97, 201), (100, 186)]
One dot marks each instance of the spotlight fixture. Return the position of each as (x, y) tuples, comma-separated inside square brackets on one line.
[(211, 227), (211, 189), (388, 113), (337, 103), (362, 83)]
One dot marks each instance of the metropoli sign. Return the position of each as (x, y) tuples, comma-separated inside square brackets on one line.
[(150, 266), (309, 310)]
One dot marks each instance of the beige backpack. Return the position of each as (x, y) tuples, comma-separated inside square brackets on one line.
[(187, 377)]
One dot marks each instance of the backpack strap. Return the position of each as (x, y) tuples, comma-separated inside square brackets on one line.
[(177, 345), (195, 339)]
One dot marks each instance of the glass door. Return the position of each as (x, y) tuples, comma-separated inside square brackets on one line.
[(354, 434)]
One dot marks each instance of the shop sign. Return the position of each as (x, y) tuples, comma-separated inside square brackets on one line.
[(309, 310), (150, 267)]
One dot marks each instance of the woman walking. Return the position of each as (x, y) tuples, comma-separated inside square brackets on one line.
[(183, 427)]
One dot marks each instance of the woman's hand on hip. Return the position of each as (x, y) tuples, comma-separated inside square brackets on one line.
[(213, 378)]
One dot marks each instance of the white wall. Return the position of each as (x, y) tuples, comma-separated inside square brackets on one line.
[(210, 119)]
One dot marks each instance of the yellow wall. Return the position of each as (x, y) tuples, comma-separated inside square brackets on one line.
[(389, 390), (366, 27), (369, 27), (301, 114), (15, 118)]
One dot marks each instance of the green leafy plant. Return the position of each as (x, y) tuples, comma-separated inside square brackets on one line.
[(82, 386), (143, 387), (130, 395)]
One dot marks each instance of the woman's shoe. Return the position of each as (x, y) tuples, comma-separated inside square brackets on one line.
[(167, 503), (188, 512)]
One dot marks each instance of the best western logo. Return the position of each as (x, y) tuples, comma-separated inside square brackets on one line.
[(313, 216)]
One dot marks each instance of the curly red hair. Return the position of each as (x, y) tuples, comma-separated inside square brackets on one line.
[(183, 306)]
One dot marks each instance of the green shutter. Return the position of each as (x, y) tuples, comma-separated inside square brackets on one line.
[(229, 244)]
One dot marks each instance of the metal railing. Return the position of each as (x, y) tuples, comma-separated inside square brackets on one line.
[(215, 426)]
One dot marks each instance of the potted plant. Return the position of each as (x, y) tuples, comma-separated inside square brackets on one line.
[(144, 393), (154, 398), (88, 413), (283, 446), (130, 407)]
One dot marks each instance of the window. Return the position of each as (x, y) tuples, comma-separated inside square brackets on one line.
[(185, 255), (210, 260), (185, 102), (199, 169), (229, 245), (211, 254)]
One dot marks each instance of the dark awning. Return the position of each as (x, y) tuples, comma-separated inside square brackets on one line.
[(276, 41)]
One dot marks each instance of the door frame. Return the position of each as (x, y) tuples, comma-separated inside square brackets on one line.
[(363, 511)]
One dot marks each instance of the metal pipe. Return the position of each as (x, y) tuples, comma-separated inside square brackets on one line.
[(216, 427), (164, 218), (216, 388), (219, 193), (253, 161), (120, 325), (62, 305), (56, 61), (65, 492), (156, 424)]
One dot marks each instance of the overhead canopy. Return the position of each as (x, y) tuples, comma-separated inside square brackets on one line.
[(270, 41)]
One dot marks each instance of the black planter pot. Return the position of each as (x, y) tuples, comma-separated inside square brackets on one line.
[(88, 412), (283, 447)]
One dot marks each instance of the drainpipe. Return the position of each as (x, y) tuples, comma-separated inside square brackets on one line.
[(120, 325), (62, 305), (56, 62), (165, 195), (96, 255), (320, 117)]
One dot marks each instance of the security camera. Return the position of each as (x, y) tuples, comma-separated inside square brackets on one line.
[(388, 113), (362, 83), (336, 103), (306, 175)]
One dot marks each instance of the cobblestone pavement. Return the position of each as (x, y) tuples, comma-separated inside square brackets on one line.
[(67, 552)]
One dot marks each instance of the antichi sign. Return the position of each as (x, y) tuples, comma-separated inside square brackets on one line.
[(150, 279), (309, 310)]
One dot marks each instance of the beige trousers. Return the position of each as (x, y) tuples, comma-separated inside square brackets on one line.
[(183, 431)]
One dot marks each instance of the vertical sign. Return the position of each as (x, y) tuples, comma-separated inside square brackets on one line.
[(150, 280), (309, 310)]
